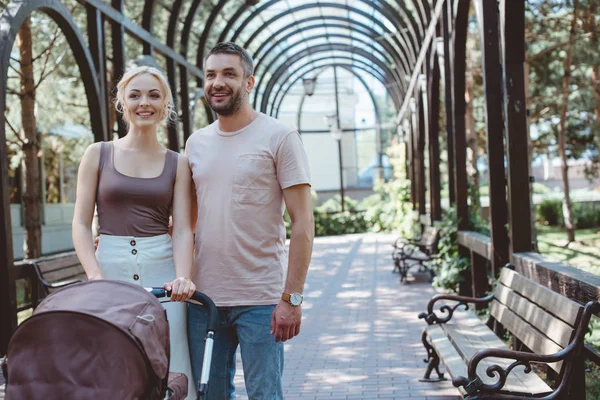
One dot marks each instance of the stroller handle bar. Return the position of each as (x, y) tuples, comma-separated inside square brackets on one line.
[(211, 327), (205, 302)]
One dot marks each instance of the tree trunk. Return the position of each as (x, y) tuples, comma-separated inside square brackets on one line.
[(591, 28), (31, 147), (567, 208)]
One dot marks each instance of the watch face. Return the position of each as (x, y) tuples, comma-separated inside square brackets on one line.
[(296, 299)]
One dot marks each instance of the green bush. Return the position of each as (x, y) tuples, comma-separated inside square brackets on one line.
[(549, 212), (539, 188), (330, 220), (449, 266), (390, 209), (585, 215), (340, 223)]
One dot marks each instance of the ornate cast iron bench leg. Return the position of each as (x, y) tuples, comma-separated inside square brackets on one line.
[(433, 362)]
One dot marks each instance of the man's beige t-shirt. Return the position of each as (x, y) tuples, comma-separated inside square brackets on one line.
[(240, 256)]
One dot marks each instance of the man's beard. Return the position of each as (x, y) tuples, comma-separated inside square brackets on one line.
[(229, 108)]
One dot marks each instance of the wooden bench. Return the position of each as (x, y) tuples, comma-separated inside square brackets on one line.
[(409, 253), (55, 272), (548, 327)]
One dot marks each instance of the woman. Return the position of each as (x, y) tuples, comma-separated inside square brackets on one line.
[(135, 183)]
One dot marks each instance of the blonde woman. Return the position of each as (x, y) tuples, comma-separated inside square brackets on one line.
[(136, 184)]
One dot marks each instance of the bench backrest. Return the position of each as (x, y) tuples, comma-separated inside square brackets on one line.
[(429, 236), (540, 318), (60, 268)]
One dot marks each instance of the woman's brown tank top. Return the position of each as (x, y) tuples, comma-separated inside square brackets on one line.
[(129, 206)]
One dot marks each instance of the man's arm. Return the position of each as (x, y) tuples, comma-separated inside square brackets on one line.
[(286, 320)]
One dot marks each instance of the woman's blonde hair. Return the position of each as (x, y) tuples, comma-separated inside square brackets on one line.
[(168, 113)]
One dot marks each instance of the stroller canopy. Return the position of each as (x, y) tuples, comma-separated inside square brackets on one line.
[(126, 306), (93, 340)]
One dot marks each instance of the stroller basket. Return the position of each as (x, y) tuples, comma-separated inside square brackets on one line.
[(98, 340)]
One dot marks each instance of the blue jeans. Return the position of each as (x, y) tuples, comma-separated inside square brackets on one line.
[(262, 356)]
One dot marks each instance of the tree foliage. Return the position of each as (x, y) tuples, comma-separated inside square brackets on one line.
[(547, 35)]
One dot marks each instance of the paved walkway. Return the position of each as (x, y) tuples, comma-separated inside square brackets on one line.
[(360, 335)]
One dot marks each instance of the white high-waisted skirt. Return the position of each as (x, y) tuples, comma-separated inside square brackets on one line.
[(148, 262)]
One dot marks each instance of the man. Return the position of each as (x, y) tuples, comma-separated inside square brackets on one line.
[(244, 166)]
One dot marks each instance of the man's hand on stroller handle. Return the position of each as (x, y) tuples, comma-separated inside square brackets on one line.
[(181, 289)]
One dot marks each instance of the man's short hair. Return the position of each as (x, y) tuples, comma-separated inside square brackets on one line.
[(232, 48)]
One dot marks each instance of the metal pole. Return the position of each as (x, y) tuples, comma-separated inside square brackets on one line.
[(337, 116)]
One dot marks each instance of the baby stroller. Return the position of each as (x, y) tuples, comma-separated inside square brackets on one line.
[(100, 340)]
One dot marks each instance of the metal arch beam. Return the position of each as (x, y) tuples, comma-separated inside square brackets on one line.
[(325, 23), (362, 66), (117, 41), (418, 6), (114, 15), (411, 41), (172, 127), (345, 66), (11, 20), (460, 31), (276, 77), (431, 30), (187, 114), (315, 50), (381, 76), (205, 32), (147, 23), (314, 5), (338, 36), (386, 46), (383, 8), (409, 56), (281, 69), (395, 74), (395, 94)]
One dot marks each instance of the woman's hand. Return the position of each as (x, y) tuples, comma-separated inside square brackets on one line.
[(95, 277), (181, 289)]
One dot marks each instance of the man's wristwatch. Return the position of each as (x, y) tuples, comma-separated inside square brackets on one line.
[(294, 299)]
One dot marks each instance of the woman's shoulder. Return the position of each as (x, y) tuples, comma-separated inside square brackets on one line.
[(93, 150)]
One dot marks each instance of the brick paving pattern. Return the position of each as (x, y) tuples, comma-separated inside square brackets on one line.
[(360, 335)]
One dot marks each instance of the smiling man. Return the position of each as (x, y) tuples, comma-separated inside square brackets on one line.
[(247, 167)]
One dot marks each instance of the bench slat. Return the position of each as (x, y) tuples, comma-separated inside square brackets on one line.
[(558, 305), (469, 340), (535, 340), (557, 330), (63, 274), (54, 264)]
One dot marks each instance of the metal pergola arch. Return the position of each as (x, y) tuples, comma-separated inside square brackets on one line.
[(393, 16), (314, 50), (353, 40), (306, 6), (402, 41), (281, 92), (399, 61), (324, 23)]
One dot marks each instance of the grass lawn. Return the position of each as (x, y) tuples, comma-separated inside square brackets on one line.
[(584, 254)]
